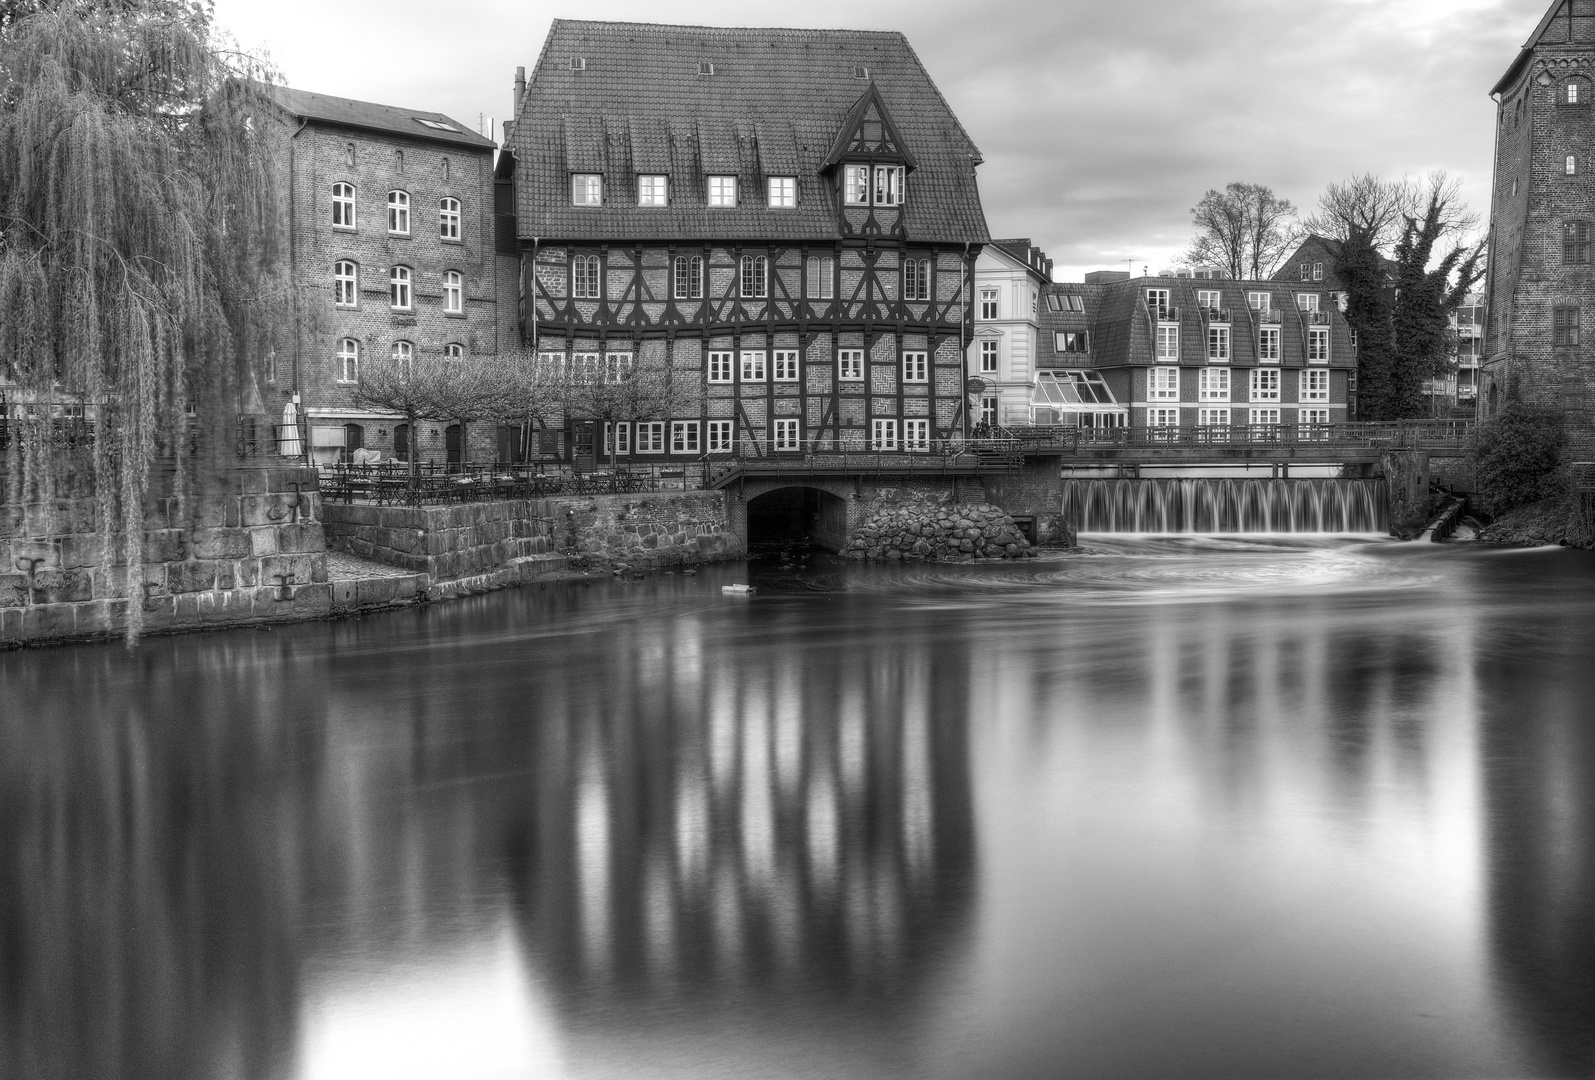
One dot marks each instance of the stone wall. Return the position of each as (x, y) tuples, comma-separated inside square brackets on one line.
[(644, 530), (444, 542), (920, 525), (1406, 474)]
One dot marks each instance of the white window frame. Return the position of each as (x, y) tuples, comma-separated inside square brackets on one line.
[(653, 189), (453, 292), (449, 219), (346, 283), (1218, 345), (587, 189), (988, 304), (787, 436), (453, 351), (784, 366), (1260, 301), (617, 367), (916, 436), (1306, 301), (916, 279), (1162, 418), (398, 212), (888, 186), (883, 433), (821, 283), (620, 436), (1264, 384), (348, 357), (1212, 384), (988, 357), (650, 437), (722, 191), (1211, 418), (687, 283), (1318, 271), (1256, 417), (1163, 384), (988, 411), (684, 437), (343, 207), (587, 278), (1210, 299), (855, 185), (916, 367), (1157, 301), (1308, 421), (752, 367), (1312, 384), (402, 351), (753, 278), (781, 192), (401, 288), (720, 435), (722, 366), (1168, 343), (1318, 345), (1268, 345), (850, 365)]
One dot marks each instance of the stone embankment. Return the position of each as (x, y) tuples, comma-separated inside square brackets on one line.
[(939, 531), (1569, 521)]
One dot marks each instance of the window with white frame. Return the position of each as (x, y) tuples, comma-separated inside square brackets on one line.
[(1163, 418), (348, 360), (1071, 341), (1163, 384), (1268, 344), (1260, 301), (449, 219), (586, 368), (587, 189), (454, 351), (888, 185), (399, 296), (652, 190), (1318, 271), (585, 279), (688, 284), (1212, 384), (617, 367), (1313, 385), (855, 185), (785, 365), (1307, 301), (988, 303), (684, 437), (1265, 384), (722, 191), (988, 357), (781, 192), (617, 438), (403, 351), (916, 436), (1263, 416), (786, 435), (1218, 344), (453, 292), (345, 284), (719, 436), (551, 363), (1157, 302), (753, 366), (822, 278), (850, 365), (915, 368), (720, 367), (1318, 345), (651, 437), (1312, 423), (1168, 343), (884, 434), (988, 411), (1570, 166), (1209, 299), (343, 206), (755, 277), (1212, 418), (916, 279), (399, 213)]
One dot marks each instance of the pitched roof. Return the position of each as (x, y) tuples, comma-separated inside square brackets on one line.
[(369, 116), (1565, 23), (775, 105)]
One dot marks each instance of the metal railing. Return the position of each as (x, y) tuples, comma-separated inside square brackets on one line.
[(1401, 434), (434, 483)]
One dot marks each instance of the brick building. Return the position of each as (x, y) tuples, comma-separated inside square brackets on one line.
[(1540, 291), (392, 243), (1009, 278), (786, 219), (1179, 351)]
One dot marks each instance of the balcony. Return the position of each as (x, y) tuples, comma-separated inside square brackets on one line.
[(1269, 318), (1165, 314), (1216, 315), (1315, 318)]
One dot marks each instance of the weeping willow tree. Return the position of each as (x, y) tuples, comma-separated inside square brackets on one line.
[(140, 278)]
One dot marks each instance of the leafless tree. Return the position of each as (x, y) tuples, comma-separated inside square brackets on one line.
[(432, 388), (1246, 230), (612, 391)]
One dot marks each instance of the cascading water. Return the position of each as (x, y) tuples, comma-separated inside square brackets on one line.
[(1227, 505)]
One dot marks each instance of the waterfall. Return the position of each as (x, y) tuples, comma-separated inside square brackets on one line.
[(1227, 505)]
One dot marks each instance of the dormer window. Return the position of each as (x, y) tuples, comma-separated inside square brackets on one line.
[(860, 71), (855, 185), (888, 185), (586, 189), (651, 191), (722, 191)]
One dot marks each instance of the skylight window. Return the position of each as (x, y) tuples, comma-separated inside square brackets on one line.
[(437, 125)]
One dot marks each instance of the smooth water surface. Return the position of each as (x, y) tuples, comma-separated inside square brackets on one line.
[(1227, 807)]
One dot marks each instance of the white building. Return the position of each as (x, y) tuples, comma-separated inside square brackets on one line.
[(1010, 276)]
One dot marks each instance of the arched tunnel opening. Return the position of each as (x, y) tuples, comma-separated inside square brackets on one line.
[(793, 515)]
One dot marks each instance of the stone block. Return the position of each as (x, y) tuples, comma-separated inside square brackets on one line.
[(218, 543), (345, 593), (262, 541), (63, 587), (294, 570), (306, 538), (14, 590), (377, 591), (312, 600), (410, 586), (318, 567)]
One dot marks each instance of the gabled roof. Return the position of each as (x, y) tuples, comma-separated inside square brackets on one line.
[(607, 97), (1026, 254), (369, 116), (851, 137), (1566, 22)]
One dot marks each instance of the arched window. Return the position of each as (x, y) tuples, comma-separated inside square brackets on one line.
[(1570, 165), (449, 219), (454, 351), (453, 292), (585, 277), (445, 169), (822, 278), (348, 154), (398, 161), (345, 283), (403, 350), (399, 213), (755, 277), (343, 206), (916, 279), (689, 277), (1575, 243), (348, 360), (399, 288)]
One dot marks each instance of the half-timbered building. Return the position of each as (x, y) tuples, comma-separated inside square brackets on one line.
[(786, 220)]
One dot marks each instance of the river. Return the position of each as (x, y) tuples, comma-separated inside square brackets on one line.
[(1186, 807)]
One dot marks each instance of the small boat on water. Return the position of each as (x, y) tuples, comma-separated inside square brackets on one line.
[(737, 590)]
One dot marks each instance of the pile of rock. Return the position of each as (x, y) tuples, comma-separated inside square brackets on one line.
[(939, 531)]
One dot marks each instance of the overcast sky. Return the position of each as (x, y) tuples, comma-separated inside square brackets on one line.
[(1101, 122)]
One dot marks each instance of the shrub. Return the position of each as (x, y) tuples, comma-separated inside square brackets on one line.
[(1519, 457)]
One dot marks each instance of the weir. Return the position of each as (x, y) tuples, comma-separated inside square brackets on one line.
[(1227, 505)]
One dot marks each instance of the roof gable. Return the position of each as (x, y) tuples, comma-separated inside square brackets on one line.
[(869, 131), (1565, 22)]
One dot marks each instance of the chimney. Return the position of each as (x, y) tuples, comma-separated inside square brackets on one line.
[(520, 90)]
